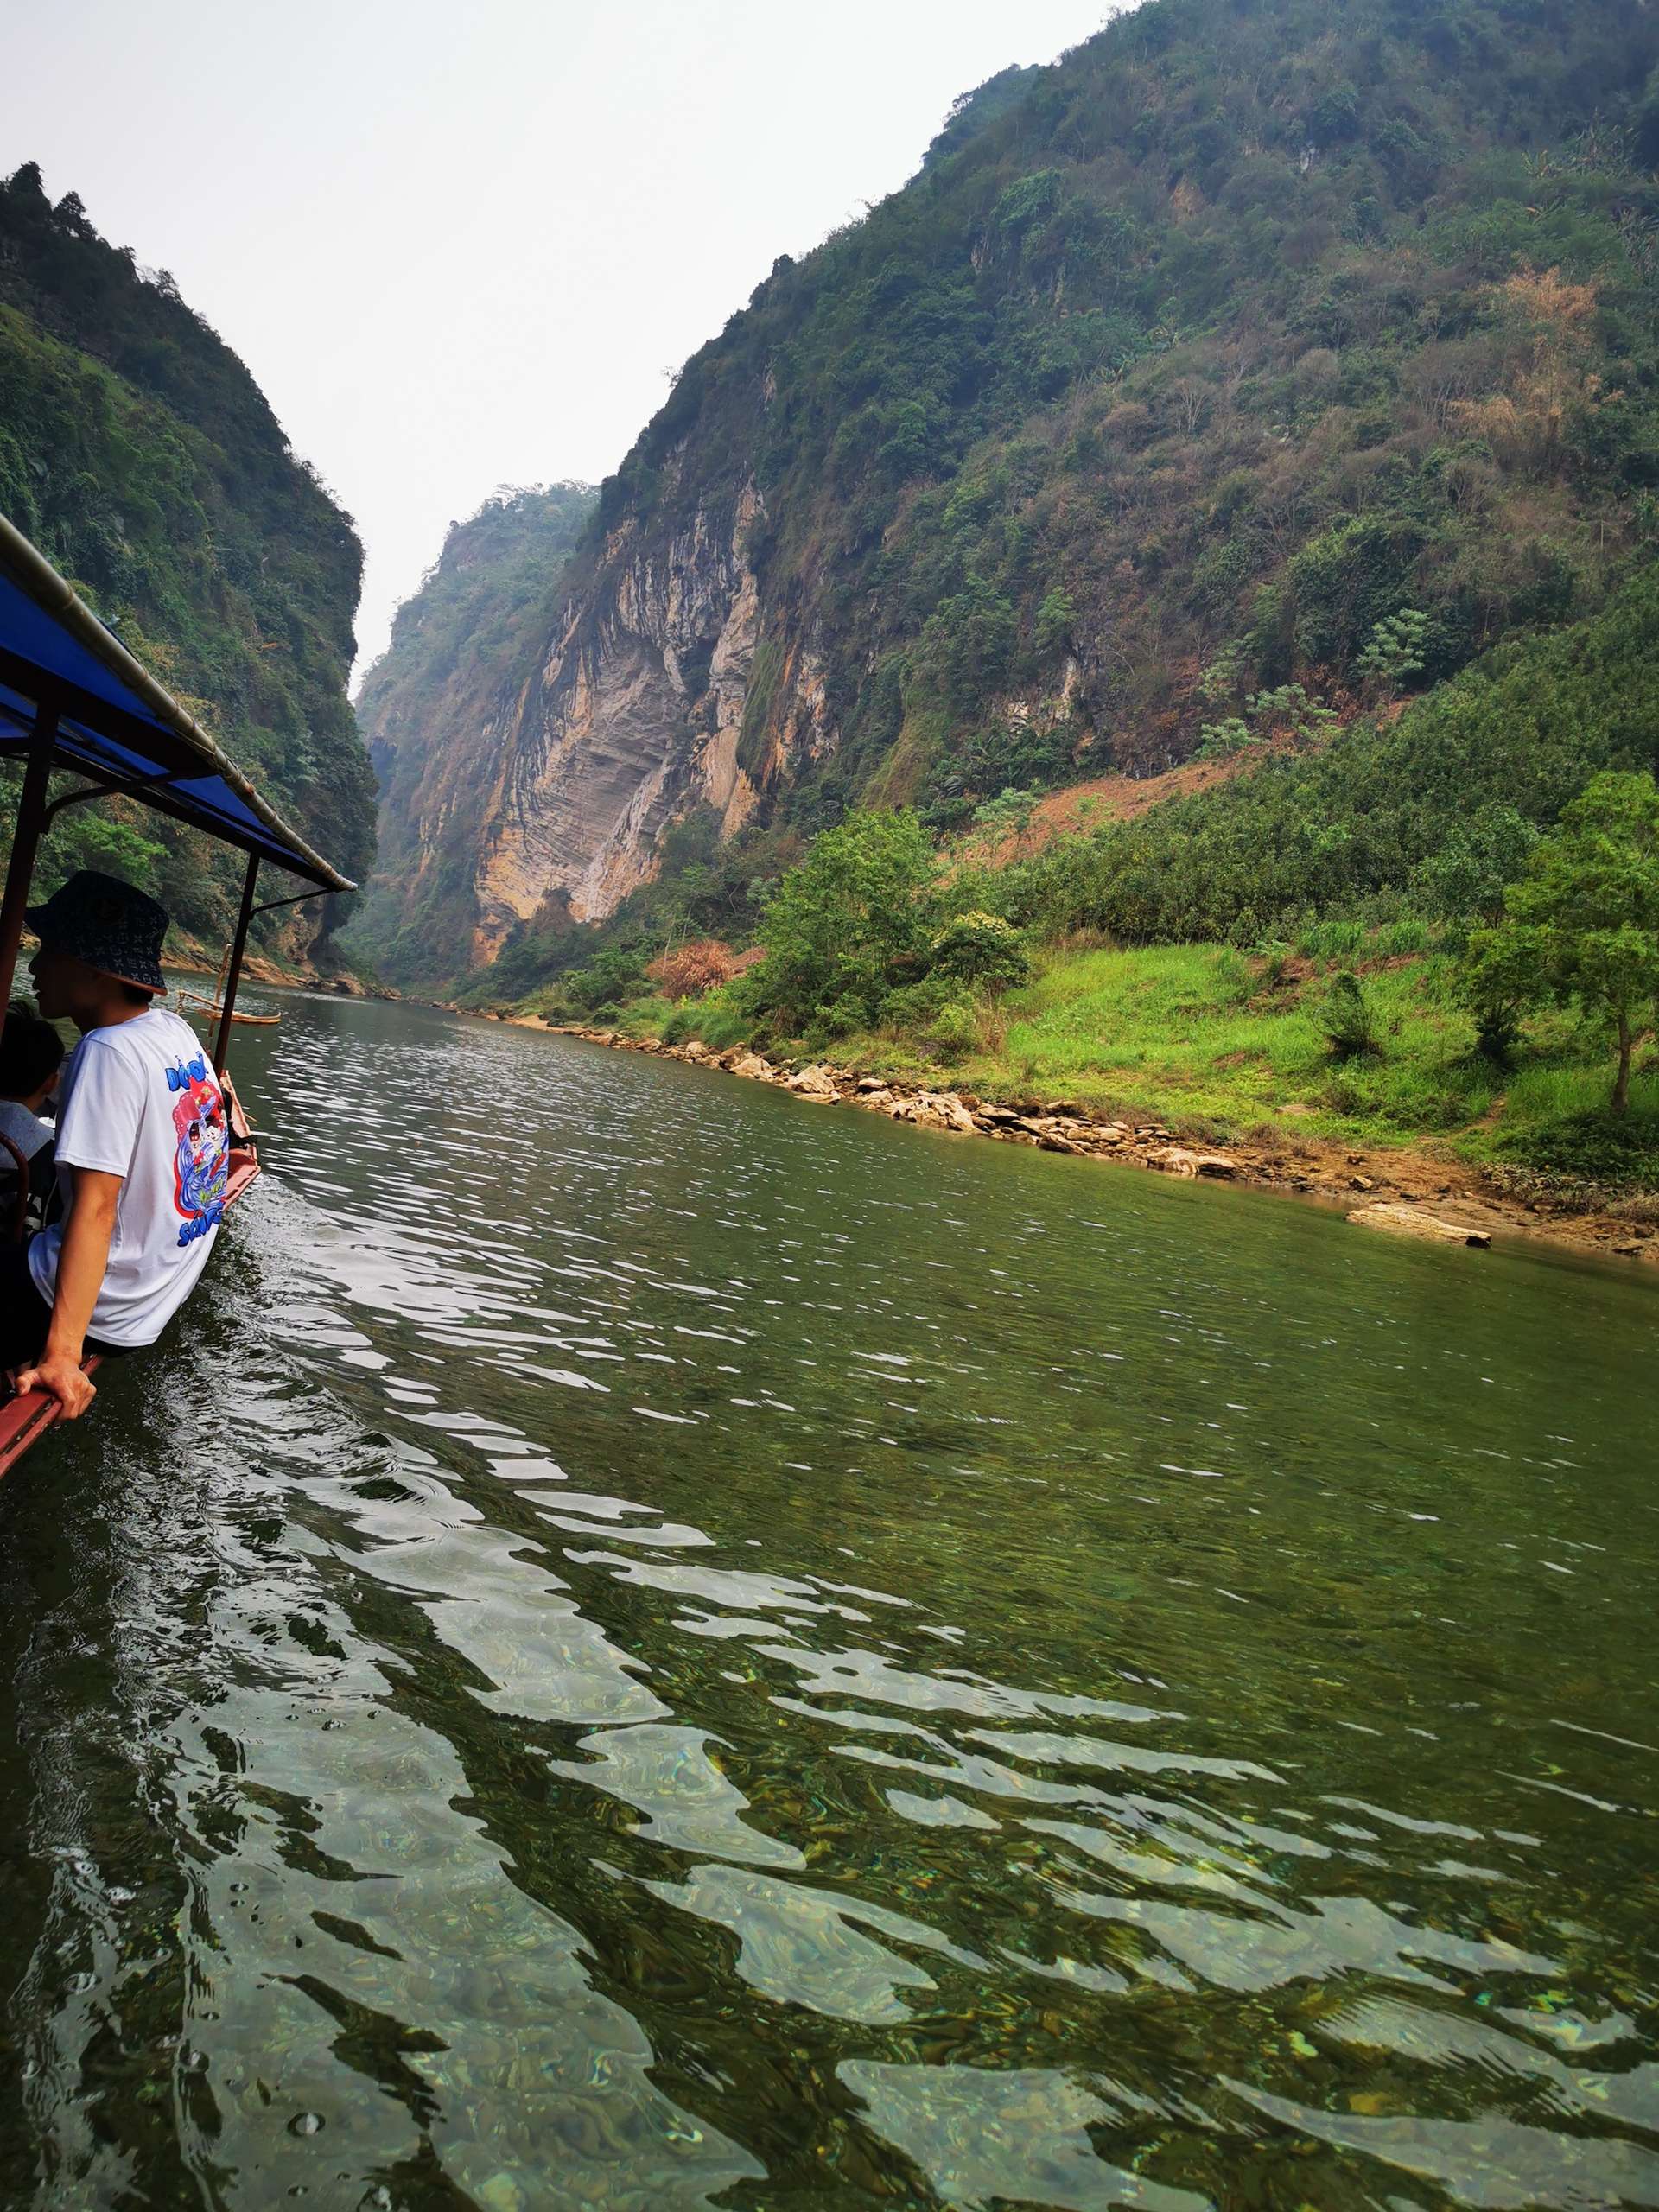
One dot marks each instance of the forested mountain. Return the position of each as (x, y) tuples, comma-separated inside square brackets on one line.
[(1178, 370), (140, 455), (1178, 367), (428, 711)]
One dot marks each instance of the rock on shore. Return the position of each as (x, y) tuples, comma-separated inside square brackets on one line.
[(1413, 1221)]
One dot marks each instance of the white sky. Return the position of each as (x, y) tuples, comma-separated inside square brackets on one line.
[(459, 245)]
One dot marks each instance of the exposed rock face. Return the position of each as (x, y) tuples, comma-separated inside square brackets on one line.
[(548, 710), (636, 716), (439, 712)]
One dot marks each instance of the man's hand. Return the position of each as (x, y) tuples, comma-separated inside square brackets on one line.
[(59, 1376)]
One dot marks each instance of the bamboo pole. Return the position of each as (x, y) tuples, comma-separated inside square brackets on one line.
[(234, 971), (25, 840)]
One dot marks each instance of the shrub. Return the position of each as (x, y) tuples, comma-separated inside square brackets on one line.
[(980, 948), (1397, 649), (1345, 1017), (1217, 739), (915, 1007), (955, 1029), (686, 971), (850, 923), (613, 976)]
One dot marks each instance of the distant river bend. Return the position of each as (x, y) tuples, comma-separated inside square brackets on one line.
[(652, 1646)]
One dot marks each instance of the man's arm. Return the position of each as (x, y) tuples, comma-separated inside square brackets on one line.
[(82, 1258)]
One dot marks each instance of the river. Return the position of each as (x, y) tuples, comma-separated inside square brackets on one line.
[(652, 1645)]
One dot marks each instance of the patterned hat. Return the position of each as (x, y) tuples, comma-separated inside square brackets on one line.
[(106, 923)]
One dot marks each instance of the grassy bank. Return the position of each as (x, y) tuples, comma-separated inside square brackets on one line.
[(1217, 1043)]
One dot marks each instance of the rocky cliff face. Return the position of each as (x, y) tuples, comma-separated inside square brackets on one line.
[(542, 775), (647, 706), (439, 714)]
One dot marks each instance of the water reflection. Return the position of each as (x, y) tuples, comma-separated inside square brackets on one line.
[(661, 1648)]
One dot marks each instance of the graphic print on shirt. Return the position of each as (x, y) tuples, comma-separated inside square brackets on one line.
[(201, 1163)]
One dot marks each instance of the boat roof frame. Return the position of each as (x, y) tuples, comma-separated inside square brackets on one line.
[(168, 734)]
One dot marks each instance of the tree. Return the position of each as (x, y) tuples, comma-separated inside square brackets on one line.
[(1465, 881), (1397, 646), (980, 948), (1009, 816), (1056, 619), (1581, 927), (1287, 709), (854, 919)]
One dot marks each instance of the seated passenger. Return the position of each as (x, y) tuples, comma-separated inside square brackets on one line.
[(31, 1053), (142, 1152)]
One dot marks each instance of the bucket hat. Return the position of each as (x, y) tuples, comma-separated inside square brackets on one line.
[(110, 925)]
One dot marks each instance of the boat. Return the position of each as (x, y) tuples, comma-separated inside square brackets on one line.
[(74, 701), (195, 1003)]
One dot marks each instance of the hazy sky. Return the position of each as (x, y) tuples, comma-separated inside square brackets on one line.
[(460, 244)]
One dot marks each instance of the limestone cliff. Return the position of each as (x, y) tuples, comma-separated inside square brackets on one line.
[(657, 697), (534, 742), (439, 715)]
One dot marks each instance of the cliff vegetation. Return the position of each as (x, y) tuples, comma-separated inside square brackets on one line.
[(140, 455)]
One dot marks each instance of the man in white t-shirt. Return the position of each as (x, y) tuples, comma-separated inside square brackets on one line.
[(143, 1148)]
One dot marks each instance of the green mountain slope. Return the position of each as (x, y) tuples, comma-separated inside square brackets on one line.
[(140, 456), (1240, 330), (456, 645), (1246, 326)]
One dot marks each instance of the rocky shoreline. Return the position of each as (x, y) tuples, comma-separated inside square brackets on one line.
[(1408, 1192)]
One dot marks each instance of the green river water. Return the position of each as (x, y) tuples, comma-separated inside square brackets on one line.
[(652, 1645)]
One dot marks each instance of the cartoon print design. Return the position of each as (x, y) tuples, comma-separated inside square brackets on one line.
[(201, 1163)]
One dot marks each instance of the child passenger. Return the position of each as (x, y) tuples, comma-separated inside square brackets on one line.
[(31, 1054)]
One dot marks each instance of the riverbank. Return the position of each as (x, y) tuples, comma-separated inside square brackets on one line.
[(1405, 1189), (192, 958)]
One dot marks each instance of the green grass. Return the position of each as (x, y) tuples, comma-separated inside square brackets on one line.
[(1202, 1036), (1218, 1043)]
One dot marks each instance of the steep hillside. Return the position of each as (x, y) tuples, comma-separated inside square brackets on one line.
[(140, 456), (428, 711), (1178, 368)]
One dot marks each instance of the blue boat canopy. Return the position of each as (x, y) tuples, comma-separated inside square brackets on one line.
[(118, 726)]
